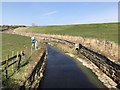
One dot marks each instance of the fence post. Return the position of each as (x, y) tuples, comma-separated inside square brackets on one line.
[(19, 59), (6, 71), (21, 53), (12, 61), (24, 49)]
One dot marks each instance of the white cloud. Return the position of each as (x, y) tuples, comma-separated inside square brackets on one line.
[(50, 13), (45, 15)]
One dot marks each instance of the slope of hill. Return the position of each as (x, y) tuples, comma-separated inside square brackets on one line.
[(14, 43), (108, 31)]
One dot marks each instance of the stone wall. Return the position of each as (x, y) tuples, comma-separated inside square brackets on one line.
[(33, 80), (105, 47)]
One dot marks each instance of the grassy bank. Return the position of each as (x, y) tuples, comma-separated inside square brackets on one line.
[(108, 31), (19, 77), (14, 43)]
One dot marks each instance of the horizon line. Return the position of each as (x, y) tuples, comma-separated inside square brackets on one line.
[(59, 24)]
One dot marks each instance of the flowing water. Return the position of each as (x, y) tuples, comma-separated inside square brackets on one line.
[(63, 71)]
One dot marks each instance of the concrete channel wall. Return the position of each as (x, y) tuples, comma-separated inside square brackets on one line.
[(105, 47), (106, 65)]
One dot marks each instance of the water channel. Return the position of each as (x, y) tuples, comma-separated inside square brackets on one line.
[(63, 71)]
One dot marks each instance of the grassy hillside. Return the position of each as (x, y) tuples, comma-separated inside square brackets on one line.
[(0, 45), (13, 43), (107, 31)]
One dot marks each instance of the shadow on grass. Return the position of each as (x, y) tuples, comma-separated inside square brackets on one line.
[(24, 64), (13, 83), (10, 84), (16, 69)]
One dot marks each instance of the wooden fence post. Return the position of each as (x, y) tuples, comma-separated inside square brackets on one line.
[(6, 68), (24, 50), (19, 59), (12, 61), (21, 53)]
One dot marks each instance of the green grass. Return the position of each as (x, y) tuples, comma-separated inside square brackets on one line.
[(108, 31), (14, 43), (0, 46), (24, 71)]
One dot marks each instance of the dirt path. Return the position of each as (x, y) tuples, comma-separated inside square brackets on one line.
[(20, 29)]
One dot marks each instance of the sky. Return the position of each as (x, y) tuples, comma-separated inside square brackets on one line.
[(60, 0), (58, 13)]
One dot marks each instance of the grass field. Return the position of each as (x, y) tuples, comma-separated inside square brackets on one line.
[(13, 43), (108, 31), (0, 46)]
